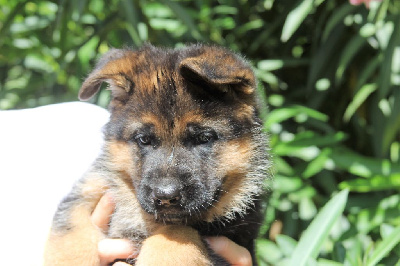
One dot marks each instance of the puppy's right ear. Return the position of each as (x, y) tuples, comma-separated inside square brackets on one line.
[(110, 69)]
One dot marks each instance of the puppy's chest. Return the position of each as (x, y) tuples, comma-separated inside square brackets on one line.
[(130, 221)]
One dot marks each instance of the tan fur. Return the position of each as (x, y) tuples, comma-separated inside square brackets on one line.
[(189, 117), (235, 158), (244, 112), (79, 246), (121, 157), (173, 245)]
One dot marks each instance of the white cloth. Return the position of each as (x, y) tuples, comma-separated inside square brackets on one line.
[(42, 152)]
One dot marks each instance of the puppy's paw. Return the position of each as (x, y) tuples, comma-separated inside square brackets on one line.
[(174, 245)]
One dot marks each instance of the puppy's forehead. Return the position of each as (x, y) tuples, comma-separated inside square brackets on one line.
[(163, 98), (160, 95)]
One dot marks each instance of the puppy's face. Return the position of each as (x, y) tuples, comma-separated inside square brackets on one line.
[(183, 131)]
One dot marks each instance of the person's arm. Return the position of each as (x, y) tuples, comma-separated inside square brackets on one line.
[(112, 249)]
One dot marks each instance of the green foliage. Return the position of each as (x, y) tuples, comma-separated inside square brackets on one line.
[(331, 73), (312, 239)]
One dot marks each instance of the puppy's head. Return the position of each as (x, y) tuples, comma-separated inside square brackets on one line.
[(184, 131)]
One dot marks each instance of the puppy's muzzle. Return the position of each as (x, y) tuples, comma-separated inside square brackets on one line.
[(165, 196)]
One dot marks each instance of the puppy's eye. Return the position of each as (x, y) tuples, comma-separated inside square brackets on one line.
[(204, 137), (143, 140)]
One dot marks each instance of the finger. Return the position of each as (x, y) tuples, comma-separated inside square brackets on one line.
[(120, 263), (230, 251), (111, 249), (103, 211)]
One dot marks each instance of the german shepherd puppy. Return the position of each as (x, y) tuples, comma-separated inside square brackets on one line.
[(185, 156)]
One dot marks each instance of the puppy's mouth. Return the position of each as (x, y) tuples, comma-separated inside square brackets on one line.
[(181, 215), (182, 210), (174, 218)]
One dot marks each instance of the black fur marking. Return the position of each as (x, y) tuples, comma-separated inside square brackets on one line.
[(240, 128), (196, 134)]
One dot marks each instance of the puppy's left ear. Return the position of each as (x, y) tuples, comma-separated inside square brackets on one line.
[(219, 68), (110, 69)]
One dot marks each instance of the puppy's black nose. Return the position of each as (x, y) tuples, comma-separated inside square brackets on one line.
[(167, 195)]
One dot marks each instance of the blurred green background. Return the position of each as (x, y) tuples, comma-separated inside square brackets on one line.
[(329, 72)]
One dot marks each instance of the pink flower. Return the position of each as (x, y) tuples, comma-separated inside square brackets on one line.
[(359, 2)]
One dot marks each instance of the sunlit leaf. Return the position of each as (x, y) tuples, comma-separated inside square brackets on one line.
[(317, 164), (287, 184), (311, 240), (267, 251), (386, 66), (183, 15), (325, 262), (282, 114), (349, 52), (359, 99), (336, 19), (307, 208), (296, 17), (386, 209), (286, 244), (360, 165), (392, 127), (375, 183), (384, 247)]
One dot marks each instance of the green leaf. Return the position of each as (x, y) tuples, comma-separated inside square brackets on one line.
[(249, 26), (275, 64), (307, 208), (282, 166), (392, 127), (184, 16), (336, 19), (286, 244), (386, 66), (375, 183), (312, 239), (285, 113), (267, 251), (350, 50), (386, 230), (382, 210), (321, 61), (325, 262), (358, 100), (368, 71), (130, 11), (296, 17), (8, 22), (307, 144), (270, 64), (384, 247), (360, 165), (318, 164), (304, 153), (286, 184), (37, 62)]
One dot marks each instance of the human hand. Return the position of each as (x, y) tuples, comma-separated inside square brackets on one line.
[(233, 253), (111, 249)]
